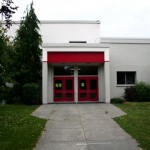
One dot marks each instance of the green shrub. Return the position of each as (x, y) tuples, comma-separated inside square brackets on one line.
[(31, 93), (5, 94), (2, 93), (117, 100), (142, 91), (130, 94)]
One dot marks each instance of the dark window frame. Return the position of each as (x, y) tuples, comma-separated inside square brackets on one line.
[(126, 77)]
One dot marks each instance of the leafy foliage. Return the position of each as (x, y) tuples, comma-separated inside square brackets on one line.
[(20, 60), (130, 94), (140, 92), (27, 50), (143, 91), (116, 100), (3, 46), (7, 10), (26, 65), (6, 53), (5, 49), (31, 92)]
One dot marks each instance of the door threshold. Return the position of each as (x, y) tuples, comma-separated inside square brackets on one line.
[(75, 102)]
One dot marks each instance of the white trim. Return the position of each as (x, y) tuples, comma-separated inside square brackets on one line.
[(107, 82), (76, 50), (125, 40), (75, 45), (106, 54), (75, 84), (44, 55), (44, 83), (70, 21), (62, 22)]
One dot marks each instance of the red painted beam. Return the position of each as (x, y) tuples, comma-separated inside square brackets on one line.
[(75, 57)]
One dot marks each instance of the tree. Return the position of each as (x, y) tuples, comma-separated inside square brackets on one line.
[(7, 10), (27, 63), (5, 47), (5, 59)]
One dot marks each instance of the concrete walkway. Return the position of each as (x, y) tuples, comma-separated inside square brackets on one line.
[(82, 127)]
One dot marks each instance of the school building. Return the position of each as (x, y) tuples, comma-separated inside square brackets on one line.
[(78, 65)]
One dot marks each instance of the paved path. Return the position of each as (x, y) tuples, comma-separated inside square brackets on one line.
[(82, 127)]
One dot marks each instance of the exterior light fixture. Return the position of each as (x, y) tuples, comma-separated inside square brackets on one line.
[(98, 22)]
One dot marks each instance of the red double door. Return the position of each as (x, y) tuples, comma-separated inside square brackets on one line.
[(87, 89), (64, 89)]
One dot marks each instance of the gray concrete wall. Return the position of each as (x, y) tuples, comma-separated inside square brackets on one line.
[(128, 57)]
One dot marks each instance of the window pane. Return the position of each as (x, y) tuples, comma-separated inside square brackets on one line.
[(130, 77), (58, 84), (63, 70), (69, 85), (88, 70), (58, 95), (82, 95), (69, 95), (93, 95), (92, 84), (126, 77), (83, 84), (120, 77)]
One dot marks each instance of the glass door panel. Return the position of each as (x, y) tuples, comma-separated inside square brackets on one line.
[(83, 84), (93, 84), (69, 84), (58, 84)]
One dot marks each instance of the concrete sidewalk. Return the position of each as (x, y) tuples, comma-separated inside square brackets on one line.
[(82, 127)]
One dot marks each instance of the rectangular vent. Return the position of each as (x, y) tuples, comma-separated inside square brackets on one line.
[(77, 42)]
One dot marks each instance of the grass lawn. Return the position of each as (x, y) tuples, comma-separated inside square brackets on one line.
[(136, 122), (18, 129)]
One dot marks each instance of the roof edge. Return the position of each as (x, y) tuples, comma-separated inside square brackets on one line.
[(126, 40), (63, 22), (70, 21), (74, 45)]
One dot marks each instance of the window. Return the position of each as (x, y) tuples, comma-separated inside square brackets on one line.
[(63, 70), (126, 77), (58, 84), (88, 70)]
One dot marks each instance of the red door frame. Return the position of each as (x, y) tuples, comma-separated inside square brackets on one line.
[(63, 91), (87, 91)]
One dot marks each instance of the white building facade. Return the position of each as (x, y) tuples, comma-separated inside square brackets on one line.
[(80, 66)]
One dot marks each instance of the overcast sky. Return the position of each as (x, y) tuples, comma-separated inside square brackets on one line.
[(119, 18)]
